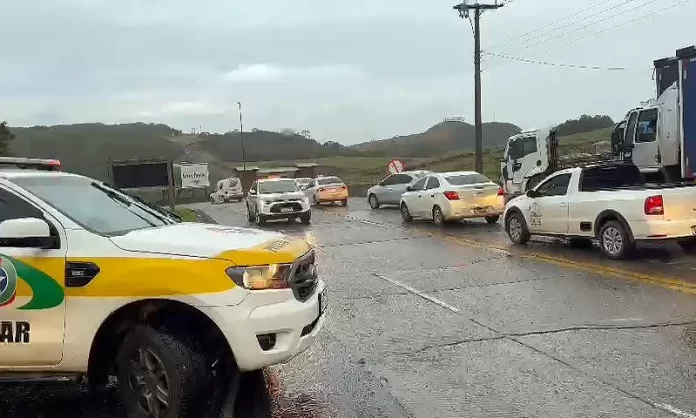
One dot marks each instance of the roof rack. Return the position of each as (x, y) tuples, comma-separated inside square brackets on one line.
[(30, 163)]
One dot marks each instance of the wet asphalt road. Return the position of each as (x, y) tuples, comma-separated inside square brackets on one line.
[(423, 324)]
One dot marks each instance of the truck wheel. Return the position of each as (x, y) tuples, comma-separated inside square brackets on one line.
[(159, 375), (259, 219), (614, 241), (306, 217), (492, 219), (344, 202), (516, 229), (405, 214), (373, 201), (533, 181)]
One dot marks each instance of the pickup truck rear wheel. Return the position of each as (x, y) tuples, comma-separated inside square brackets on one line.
[(689, 245), (516, 229), (373, 201), (492, 219), (614, 241), (160, 374), (306, 217)]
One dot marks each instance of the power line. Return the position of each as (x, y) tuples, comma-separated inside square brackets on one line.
[(604, 30), (555, 21), (555, 64), (627, 22), (566, 33), (573, 23)]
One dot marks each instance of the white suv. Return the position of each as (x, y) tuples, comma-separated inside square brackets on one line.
[(277, 198)]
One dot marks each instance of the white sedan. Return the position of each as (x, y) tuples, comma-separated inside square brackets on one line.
[(453, 196)]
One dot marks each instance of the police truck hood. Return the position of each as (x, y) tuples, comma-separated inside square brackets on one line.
[(282, 196), (242, 246)]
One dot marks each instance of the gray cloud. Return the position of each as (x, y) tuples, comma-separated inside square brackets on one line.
[(347, 72)]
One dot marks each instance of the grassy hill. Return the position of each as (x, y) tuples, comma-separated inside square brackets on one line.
[(86, 148), (440, 139)]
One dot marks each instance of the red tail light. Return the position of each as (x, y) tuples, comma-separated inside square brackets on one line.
[(654, 205), (321, 189), (451, 195), (501, 192), (344, 187)]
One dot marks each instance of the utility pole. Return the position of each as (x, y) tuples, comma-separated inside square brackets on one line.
[(464, 12), (241, 132)]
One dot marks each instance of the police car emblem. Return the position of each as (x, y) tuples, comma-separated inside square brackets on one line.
[(8, 282)]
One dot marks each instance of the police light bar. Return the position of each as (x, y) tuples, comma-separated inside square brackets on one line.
[(31, 163)]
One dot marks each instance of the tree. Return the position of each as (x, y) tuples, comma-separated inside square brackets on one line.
[(585, 123), (5, 137)]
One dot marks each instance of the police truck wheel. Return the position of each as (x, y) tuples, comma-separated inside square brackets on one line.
[(159, 374), (306, 217), (516, 229), (492, 219), (259, 219), (373, 201)]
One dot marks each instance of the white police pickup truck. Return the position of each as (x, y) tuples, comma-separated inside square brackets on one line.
[(94, 283), (610, 202)]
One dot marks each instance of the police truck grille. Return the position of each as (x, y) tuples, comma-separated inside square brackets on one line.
[(303, 277), (296, 207)]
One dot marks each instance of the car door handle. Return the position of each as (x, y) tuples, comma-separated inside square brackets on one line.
[(391, 189), (564, 205), (432, 195), (419, 196)]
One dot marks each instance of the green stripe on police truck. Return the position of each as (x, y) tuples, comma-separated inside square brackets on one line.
[(46, 292)]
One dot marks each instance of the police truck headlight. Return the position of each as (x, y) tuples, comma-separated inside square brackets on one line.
[(273, 276)]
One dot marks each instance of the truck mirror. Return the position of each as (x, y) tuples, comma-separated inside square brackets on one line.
[(533, 193)]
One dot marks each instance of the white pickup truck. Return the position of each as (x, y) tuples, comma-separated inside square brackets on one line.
[(610, 202)]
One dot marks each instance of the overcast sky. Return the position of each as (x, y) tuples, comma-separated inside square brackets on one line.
[(346, 71)]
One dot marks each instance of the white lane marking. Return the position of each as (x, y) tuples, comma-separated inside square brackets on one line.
[(675, 411), (421, 294), (626, 319)]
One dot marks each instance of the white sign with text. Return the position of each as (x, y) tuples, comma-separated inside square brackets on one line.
[(194, 175)]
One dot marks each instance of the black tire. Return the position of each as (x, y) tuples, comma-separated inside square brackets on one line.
[(259, 219), (533, 181), (306, 217), (160, 357), (438, 216), (492, 219), (405, 213), (516, 228), (344, 202), (688, 245), (615, 241), (579, 242), (373, 201)]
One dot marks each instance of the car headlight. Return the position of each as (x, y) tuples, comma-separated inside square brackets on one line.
[(273, 276)]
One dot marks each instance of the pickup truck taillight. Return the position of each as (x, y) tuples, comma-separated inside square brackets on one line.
[(654, 205), (451, 195), (321, 189), (501, 192)]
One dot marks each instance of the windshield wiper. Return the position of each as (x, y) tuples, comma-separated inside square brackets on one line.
[(157, 211), (116, 197)]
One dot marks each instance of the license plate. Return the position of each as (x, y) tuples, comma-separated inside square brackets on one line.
[(480, 210), (322, 301), (285, 210)]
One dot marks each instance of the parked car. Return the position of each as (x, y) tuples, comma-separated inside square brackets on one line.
[(302, 182), (610, 202), (277, 198), (389, 190), (327, 189), (451, 197), (227, 190)]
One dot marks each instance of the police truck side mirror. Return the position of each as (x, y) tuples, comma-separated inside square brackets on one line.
[(409, 188), (252, 192), (26, 232)]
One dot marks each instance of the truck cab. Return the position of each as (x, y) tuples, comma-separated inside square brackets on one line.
[(659, 136), (527, 159)]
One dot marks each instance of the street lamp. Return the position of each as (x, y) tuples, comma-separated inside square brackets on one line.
[(241, 132)]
